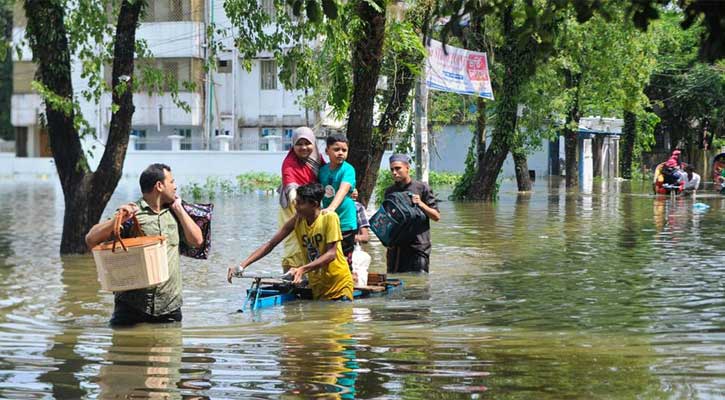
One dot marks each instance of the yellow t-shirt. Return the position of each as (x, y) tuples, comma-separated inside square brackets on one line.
[(334, 280)]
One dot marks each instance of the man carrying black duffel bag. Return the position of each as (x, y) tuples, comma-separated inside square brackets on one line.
[(413, 256)]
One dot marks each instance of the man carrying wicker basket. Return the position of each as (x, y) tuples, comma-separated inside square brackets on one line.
[(158, 213)]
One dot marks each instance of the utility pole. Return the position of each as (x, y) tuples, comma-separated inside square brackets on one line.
[(422, 156), (209, 82)]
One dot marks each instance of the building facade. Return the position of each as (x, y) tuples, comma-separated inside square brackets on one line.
[(230, 108)]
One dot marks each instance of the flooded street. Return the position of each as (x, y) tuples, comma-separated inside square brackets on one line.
[(615, 294)]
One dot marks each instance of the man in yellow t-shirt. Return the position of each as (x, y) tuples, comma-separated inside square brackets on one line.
[(320, 238)]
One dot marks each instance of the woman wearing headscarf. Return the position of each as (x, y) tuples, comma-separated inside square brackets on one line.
[(299, 168)]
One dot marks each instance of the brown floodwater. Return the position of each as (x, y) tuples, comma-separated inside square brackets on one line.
[(551, 295)]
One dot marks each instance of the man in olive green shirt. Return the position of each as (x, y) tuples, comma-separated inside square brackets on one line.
[(159, 213)]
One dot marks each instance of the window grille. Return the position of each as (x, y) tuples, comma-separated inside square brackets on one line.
[(268, 74), (174, 10), (224, 66)]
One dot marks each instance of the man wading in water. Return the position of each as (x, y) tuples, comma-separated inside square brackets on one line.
[(157, 213)]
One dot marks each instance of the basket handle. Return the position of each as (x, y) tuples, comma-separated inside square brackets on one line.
[(117, 223)]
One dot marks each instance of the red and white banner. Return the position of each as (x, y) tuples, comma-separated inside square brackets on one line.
[(458, 71)]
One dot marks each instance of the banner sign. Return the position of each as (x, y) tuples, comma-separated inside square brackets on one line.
[(459, 71)]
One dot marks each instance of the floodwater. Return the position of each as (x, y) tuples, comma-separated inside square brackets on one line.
[(552, 295)]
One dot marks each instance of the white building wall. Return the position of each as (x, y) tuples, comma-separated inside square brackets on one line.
[(177, 39), (238, 106)]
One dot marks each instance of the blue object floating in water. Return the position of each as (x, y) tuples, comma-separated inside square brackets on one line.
[(700, 206)]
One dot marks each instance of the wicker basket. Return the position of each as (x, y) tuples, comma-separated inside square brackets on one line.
[(139, 262)]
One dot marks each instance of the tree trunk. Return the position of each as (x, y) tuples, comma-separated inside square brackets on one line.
[(629, 131), (484, 183), (7, 131), (514, 60), (523, 180), (367, 57), (571, 134), (597, 144), (396, 102), (480, 133), (86, 194)]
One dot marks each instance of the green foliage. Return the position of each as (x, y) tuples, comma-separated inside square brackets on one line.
[(245, 183), (258, 181), (687, 95), (639, 174), (385, 179), (435, 180), (194, 190), (645, 139), (449, 109), (463, 186), (441, 179)]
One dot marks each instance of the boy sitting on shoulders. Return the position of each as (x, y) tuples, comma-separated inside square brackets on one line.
[(320, 238)]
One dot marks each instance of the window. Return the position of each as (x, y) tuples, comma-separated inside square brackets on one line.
[(186, 141), (187, 72), (224, 66), (141, 141), (263, 133), (268, 132), (287, 138), (173, 70), (218, 132), (268, 74), (173, 10)]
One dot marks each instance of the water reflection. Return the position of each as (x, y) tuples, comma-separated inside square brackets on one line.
[(320, 358), (141, 362), (70, 309), (553, 294)]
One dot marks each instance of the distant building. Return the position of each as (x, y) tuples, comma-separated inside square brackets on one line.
[(231, 109), (450, 146)]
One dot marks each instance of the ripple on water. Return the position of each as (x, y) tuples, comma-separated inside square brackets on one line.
[(549, 295)]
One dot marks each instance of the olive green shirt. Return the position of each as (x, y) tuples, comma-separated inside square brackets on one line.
[(164, 297)]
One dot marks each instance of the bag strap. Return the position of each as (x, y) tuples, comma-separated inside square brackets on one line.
[(117, 223)]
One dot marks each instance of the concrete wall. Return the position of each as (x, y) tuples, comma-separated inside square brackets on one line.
[(186, 165), (448, 154)]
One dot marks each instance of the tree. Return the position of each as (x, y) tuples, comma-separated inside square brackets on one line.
[(403, 55), (525, 34), (6, 72), (55, 35), (367, 60), (686, 94), (593, 84)]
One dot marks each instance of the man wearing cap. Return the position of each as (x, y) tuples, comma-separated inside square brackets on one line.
[(413, 257)]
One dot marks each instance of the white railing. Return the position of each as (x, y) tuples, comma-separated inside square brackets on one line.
[(197, 143)]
